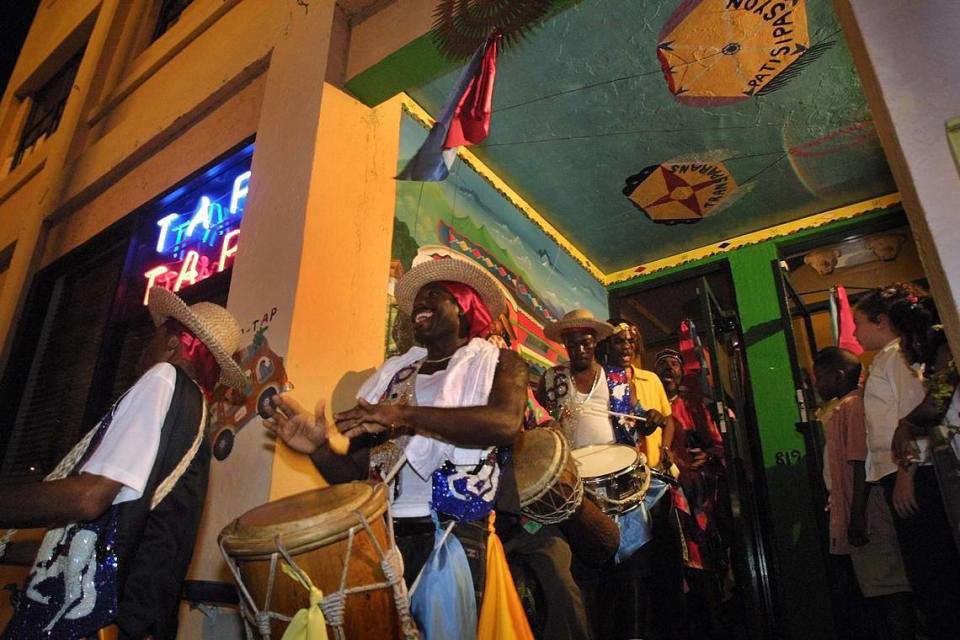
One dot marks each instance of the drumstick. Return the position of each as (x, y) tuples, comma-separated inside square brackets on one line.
[(615, 414), (396, 467)]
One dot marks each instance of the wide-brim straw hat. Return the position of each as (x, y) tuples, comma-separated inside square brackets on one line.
[(212, 324), (578, 319), (453, 269)]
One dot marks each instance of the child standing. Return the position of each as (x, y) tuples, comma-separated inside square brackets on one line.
[(861, 526)]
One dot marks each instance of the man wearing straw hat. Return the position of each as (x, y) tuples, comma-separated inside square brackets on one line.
[(429, 421), (595, 405), (124, 506), (426, 422)]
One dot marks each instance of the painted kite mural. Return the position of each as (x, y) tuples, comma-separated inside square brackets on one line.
[(682, 190), (717, 52)]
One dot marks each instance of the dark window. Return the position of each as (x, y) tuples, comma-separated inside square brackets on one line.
[(84, 325), (69, 335), (170, 11), (47, 108)]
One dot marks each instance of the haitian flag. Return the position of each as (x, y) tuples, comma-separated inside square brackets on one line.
[(465, 118)]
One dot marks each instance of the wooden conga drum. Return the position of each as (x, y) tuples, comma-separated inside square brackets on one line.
[(547, 480), (323, 533)]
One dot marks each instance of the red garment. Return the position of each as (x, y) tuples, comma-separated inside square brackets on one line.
[(847, 339), (846, 442), (471, 120), (700, 498), (476, 313), (205, 366)]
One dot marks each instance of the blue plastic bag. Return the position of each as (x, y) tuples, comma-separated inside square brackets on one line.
[(443, 601), (635, 527)]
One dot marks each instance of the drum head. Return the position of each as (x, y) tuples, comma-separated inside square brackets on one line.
[(604, 459), (304, 521), (538, 457)]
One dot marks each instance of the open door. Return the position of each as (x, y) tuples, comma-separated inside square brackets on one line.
[(722, 340), (802, 344)]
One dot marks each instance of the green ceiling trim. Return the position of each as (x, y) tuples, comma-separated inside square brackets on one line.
[(412, 65)]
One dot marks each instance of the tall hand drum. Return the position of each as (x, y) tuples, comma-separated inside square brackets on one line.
[(550, 489), (341, 538), (615, 475)]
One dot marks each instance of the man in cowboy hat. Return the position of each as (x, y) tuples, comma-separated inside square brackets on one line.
[(125, 510), (578, 394), (430, 417), (581, 396)]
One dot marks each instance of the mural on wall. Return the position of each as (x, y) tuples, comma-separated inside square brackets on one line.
[(467, 216), (716, 52)]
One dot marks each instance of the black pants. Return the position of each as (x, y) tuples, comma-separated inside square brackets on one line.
[(546, 557), (929, 555), (642, 597)]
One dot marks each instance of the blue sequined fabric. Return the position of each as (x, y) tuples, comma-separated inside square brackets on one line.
[(466, 493), (621, 401), (72, 590)]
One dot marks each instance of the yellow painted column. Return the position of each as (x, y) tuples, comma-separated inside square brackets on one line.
[(339, 317)]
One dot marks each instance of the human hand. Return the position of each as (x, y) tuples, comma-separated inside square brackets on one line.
[(666, 457), (298, 428), (857, 532), (654, 418), (700, 458), (369, 418), (904, 498), (903, 447)]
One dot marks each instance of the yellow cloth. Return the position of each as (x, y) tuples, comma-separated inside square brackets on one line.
[(651, 395), (501, 614), (307, 624)]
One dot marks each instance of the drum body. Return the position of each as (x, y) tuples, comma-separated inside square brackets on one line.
[(550, 488), (615, 476), (314, 529)]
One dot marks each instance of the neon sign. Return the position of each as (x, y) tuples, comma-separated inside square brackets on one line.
[(197, 236)]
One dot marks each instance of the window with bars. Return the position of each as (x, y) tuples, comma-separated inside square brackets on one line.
[(46, 108), (170, 11)]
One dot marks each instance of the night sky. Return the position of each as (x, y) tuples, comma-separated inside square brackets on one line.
[(15, 18)]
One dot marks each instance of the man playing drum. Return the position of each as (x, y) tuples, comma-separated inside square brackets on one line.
[(594, 406), (430, 422)]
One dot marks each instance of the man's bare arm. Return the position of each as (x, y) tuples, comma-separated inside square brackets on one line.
[(58, 502), (496, 423)]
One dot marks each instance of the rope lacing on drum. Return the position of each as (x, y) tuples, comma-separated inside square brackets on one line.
[(253, 615), (333, 604)]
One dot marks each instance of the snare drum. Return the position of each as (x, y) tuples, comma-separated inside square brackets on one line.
[(341, 537), (550, 489), (615, 475)]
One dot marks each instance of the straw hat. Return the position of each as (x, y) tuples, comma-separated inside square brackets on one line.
[(455, 270), (214, 325), (577, 319)]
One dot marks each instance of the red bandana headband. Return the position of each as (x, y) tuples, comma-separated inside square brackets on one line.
[(474, 310), (205, 365)]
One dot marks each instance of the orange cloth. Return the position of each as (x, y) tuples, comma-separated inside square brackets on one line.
[(501, 614)]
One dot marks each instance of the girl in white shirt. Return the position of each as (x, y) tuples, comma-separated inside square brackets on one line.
[(900, 320)]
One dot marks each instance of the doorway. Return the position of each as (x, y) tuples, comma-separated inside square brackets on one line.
[(706, 298)]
